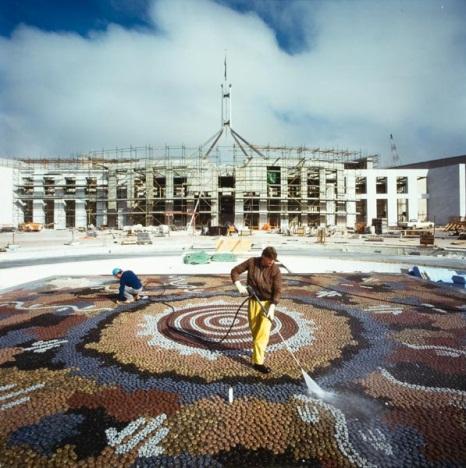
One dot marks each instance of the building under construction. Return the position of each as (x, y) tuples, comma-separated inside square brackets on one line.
[(243, 184), (281, 187)]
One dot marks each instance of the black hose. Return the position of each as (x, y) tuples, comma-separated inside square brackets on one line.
[(233, 322)]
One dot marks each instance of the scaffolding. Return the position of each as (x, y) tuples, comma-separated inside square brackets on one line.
[(249, 186)]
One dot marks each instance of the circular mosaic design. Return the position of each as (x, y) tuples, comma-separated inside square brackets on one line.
[(205, 326), (85, 382), (182, 339)]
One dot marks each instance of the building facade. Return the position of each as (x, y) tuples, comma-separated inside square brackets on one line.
[(446, 186), (299, 188)]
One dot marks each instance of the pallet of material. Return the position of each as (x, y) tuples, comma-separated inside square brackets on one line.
[(233, 245), (130, 240), (427, 238), (143, 238), (456, 226), (415, 232), (374, 239)]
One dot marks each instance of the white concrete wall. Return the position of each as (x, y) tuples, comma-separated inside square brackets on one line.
[(392, 214), (391, 196), (6, 195), (462, 190), (446, 188)]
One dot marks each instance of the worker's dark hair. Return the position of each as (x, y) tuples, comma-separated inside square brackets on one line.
[(270, 252)]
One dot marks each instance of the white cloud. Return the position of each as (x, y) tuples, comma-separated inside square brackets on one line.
[(373, 68)]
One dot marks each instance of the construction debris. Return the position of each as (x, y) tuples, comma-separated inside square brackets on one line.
[(439, 275)]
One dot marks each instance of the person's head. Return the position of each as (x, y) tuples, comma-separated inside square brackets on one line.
[(269, 256), (117, 272)]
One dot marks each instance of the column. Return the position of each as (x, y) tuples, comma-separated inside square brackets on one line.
[(169, 197), (323, 196), (284, 198), (304, 204), (59, 215), (149, 196), (101, 204), (262, 210), (130, 204), (371, 197), (19, 212), (350, 199), (38, 212), (413, 198), (462, 191), (112, 199), (214, 206), (239, 210), (392, 196), (80, 202)]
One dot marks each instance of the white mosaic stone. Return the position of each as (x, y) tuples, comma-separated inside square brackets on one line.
[(460, 396), (43, 346), (128, 438), (12, 395), (19, 305), (378, 440), (384, 309), (440, 350), (327, 293), (341, 432)]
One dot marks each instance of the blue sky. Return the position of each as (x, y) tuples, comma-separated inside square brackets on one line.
[(91, 15), (90, 74), (80, 16)]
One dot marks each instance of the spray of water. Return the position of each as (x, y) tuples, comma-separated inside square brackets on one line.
[(313, 388)]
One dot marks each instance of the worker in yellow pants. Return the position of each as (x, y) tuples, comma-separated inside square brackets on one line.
[(260, 327), (265, 279)]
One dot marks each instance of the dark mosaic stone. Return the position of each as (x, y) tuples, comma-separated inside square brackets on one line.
[(91, 439), (29, 360), (419, 374), (49, 433)]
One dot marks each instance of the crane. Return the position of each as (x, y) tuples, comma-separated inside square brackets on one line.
[(395, 155)]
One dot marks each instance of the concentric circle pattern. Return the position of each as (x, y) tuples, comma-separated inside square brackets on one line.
[(206, 326), (84, 382)]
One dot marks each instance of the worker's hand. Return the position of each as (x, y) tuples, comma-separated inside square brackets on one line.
[(271, 312), (241, 289)]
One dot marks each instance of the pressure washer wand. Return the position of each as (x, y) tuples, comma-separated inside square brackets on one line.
[(312, 386)]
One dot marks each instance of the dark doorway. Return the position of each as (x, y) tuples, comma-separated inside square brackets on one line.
[(227, 209), (49, 213)]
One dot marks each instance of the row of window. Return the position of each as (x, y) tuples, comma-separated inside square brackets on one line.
[(180, 186)]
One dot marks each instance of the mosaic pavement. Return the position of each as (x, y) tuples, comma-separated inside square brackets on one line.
[(84, 382)]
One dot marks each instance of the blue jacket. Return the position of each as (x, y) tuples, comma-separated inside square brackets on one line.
[(128, 278)]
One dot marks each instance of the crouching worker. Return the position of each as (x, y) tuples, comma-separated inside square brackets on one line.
[(265, 279), (130, 286)]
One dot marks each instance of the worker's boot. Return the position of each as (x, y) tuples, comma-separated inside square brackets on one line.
[(262, 368)]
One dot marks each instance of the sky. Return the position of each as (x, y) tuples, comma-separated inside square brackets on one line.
[(77, 76)]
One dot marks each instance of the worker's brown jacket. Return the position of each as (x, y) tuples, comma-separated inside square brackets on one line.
[(266, 281)]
